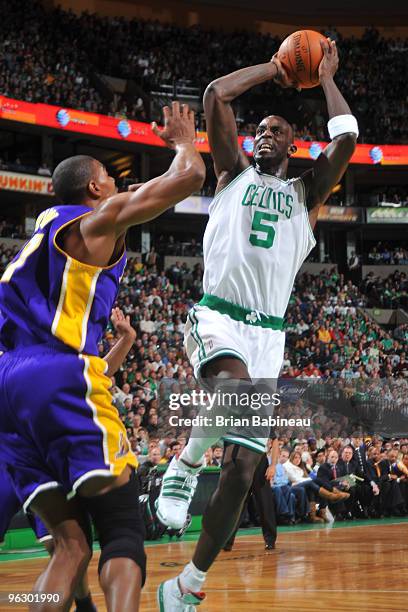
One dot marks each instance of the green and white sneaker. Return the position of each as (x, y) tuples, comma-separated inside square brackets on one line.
[(171, 599), (178, 488)]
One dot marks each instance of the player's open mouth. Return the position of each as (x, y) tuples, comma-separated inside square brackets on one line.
[(265, 147)]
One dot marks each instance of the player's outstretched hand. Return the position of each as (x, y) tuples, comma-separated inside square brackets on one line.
[(179, 125), (330, 62), (282, 77), (121, 323), (270, 473)]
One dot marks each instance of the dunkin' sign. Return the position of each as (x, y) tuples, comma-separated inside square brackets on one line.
[(29, 183)]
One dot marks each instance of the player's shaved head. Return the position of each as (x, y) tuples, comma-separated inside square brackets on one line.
[(274, 119), (71, 178), (273, 145)]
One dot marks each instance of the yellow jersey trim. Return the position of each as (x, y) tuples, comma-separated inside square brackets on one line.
[(77, 295), (81, 263), (116, 447)]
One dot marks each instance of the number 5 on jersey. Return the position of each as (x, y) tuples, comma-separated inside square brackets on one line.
[(263, 232)]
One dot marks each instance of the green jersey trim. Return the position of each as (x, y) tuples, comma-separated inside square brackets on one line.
[(231, 183), (278, 178), (312, 236), (222, 353), (248, 316), (194, 332)]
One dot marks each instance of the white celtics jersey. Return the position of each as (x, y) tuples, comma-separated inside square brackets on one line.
[(257, 237)]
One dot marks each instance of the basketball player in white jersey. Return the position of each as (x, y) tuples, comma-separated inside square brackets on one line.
[(260, 230)]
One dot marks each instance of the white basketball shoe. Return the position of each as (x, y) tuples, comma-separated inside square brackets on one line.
[(171, 599), (178, 488)]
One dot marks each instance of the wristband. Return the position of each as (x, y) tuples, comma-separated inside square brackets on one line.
[(342, 124)]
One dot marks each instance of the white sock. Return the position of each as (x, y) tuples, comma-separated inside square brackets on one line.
[(191, 578), (203, 437), (193, 453)]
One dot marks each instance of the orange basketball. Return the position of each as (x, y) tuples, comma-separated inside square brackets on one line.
[(301, 54)]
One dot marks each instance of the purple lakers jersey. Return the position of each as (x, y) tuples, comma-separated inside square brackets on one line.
[(46, 296)]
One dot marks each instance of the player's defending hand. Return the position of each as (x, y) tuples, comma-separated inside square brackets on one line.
[(179, 125), (282, 77), (270, 473), (330, 62), (122, 324)]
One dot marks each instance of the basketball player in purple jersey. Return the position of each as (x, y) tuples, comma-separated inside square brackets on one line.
[(60, 437), (10, 503)]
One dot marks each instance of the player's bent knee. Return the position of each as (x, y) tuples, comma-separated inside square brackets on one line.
[(120, 528), (239, 468), (124, 544), (73, 536), (75, 550)]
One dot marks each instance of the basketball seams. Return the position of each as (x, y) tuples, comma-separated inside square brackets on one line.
[(290, 51), (310, 56)]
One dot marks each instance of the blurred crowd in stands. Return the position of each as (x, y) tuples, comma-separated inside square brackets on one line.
[(389, 292), (41, 60), (167, 245), (60, 58), (358, 370), (17, 165), (329, 336), (10, 229), (395, 196), (387, 254)]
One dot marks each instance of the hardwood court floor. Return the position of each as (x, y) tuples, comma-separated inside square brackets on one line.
[(362, 567)]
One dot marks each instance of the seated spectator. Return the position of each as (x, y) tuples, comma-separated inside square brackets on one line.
[(310, 371), (208, 457), (299, 478), (324, 333), (175, 450), (44, 169), (320, 458), (153, 460), (402, 473), (393, 501), (285, 499), (218, 452)]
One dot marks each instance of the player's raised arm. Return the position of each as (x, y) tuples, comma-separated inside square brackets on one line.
[(343, 129), (126, 337), (229, 160), (185, 175)]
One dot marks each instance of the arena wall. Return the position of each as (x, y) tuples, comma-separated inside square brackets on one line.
[(384, 316)]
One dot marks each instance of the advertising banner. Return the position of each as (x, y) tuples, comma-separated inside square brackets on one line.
[(118, 128), (387, 215), (340, 214), (29, 183)]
